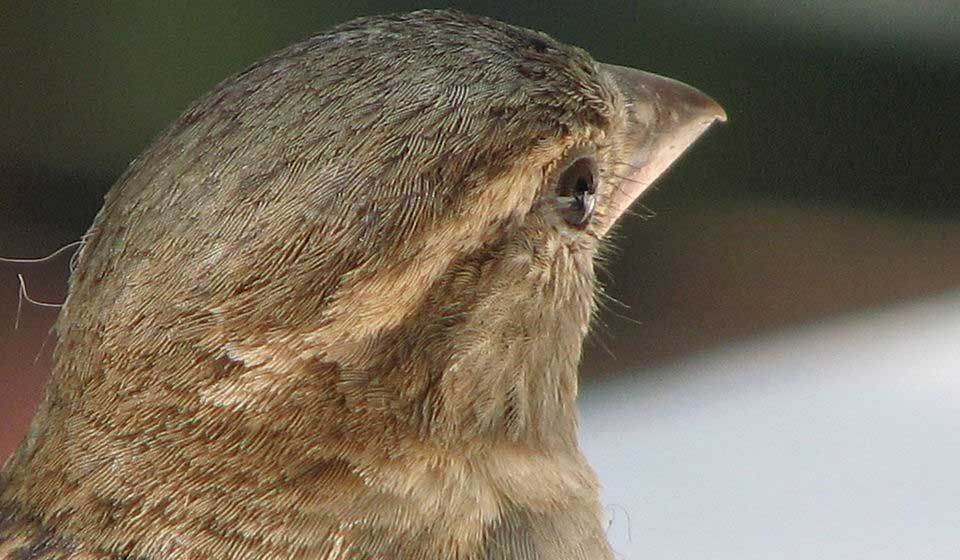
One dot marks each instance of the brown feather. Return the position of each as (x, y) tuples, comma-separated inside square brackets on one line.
[(334, 313)]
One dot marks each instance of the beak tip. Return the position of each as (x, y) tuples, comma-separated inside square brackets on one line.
[(715, 111), (696, 103)]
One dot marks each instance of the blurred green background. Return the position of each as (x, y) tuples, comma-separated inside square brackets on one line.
[(834, 187)]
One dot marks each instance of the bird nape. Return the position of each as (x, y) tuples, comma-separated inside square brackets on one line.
[(336, 310)]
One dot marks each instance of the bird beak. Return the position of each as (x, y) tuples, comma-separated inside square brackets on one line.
[(664, 117)]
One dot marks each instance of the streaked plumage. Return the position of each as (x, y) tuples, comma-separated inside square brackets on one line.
[(336, 310)]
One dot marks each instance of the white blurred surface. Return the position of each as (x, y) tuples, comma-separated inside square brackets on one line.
[(837, 441)]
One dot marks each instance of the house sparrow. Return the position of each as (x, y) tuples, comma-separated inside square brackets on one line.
[(336, 310)]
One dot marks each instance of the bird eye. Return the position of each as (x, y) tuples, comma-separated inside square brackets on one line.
[(577, 192)]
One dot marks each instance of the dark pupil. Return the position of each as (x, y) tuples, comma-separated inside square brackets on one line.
[(583, 184), (577, 179), (580, 189), (576, 185)]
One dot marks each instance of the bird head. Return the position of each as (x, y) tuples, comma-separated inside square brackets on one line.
[(398, 217), (379, 238)]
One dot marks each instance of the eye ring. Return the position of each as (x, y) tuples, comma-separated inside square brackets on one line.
[(577, 190)]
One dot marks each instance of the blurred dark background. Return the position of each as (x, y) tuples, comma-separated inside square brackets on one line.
[(833, 188)]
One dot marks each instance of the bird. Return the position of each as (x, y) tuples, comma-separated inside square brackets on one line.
[(336, 310)]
